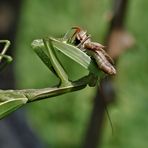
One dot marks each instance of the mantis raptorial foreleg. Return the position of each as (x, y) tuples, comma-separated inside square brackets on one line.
[(7, 59), (58, 68)]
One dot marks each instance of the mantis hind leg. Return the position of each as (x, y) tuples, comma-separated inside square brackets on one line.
[(6, 59), (6, 46), (57, 66)]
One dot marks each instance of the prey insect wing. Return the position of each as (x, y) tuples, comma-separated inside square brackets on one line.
[(103, 63), (102, 58), (98, 47)]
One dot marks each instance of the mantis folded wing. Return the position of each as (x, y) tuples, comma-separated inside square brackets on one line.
[(10, 100)]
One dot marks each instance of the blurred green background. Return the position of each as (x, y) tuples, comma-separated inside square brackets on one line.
[(62, 121)]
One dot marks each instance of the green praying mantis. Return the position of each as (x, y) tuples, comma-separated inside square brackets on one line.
[(10, 100)]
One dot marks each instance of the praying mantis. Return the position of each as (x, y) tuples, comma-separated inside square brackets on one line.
[(10, 100)]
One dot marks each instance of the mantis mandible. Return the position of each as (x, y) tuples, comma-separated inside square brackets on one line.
[(10, 100)]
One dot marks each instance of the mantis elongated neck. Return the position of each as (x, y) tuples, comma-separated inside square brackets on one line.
[(39, 94)]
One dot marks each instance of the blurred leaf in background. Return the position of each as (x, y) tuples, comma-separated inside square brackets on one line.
[(62, 121)]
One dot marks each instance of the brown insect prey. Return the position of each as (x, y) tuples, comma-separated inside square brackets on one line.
[(83, 41)]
